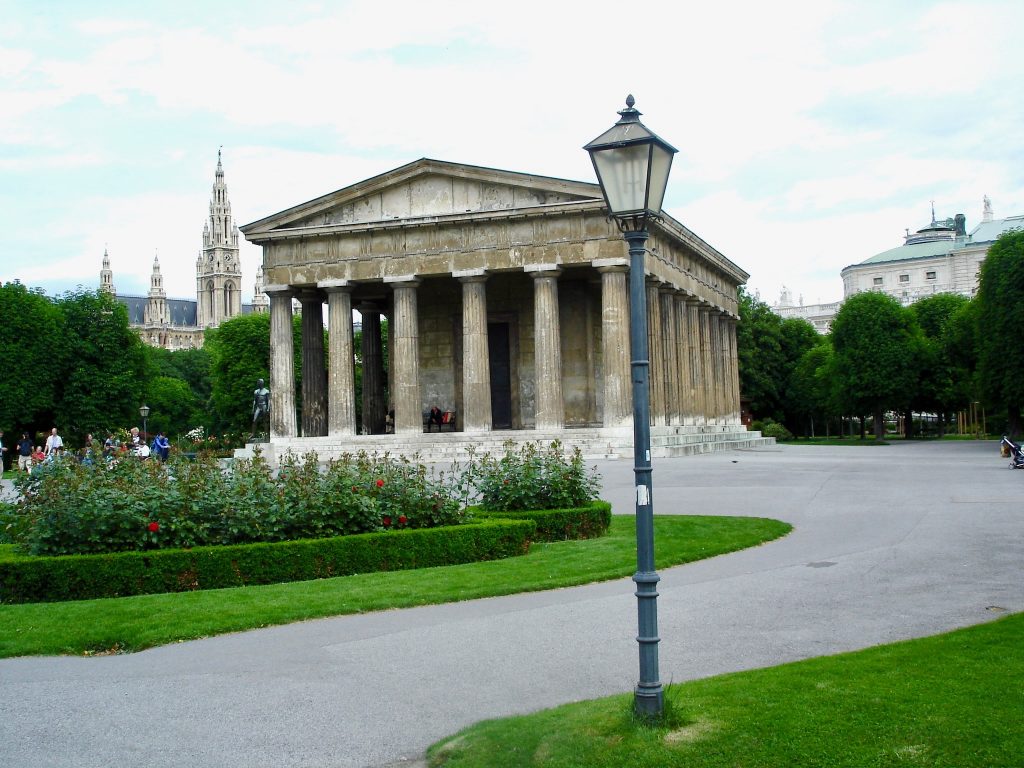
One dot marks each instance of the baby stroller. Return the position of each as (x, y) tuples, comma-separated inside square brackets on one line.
[(1013, 451)]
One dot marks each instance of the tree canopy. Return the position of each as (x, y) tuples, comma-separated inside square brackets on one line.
[(1000, 317), (875, 342), (31, 357)]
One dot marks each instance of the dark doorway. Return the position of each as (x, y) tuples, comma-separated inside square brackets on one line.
[(501, 375)]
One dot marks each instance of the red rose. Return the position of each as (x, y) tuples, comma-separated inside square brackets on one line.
[(380, 483), (353, 489), (402, 519), (386, 521), (154, 526)]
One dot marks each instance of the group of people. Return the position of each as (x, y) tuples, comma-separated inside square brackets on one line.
[(30, 455), (159, 448)]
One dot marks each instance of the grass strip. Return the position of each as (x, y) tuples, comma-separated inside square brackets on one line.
[(132, 623), (951, 700)]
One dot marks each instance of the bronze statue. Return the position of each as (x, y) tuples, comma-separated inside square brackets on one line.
[(260, 404)]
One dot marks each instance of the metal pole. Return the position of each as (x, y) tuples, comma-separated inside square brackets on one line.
[(649, 697)]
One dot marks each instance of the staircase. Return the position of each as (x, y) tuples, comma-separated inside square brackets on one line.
[(594, 443)]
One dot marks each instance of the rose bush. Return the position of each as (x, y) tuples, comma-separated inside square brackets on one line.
[(71, 508), (529, 477)]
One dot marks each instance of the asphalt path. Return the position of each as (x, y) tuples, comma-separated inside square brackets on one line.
[(890, 542)]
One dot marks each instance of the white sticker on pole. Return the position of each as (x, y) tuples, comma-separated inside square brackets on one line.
[(642, 497), (648, 455)]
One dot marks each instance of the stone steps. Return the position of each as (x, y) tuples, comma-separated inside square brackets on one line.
[(594, 443)]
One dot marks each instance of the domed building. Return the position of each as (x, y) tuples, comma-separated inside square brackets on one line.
[(942, 257)]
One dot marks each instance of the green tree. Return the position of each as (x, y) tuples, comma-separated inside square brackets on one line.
[(31, 358), (761, 358), (104, 367), (172, 405), (1000, 319), (876, 356), (239, 355), (810, 390), (797, 338), (940, 388), (191, 405)]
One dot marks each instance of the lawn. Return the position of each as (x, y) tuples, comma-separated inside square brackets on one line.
[(953, 700), (133, 623)]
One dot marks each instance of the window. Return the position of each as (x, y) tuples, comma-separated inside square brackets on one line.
[(904, 278), (877, 281), (929, 275)]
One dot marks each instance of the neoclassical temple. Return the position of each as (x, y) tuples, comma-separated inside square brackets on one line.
[(507, 305)]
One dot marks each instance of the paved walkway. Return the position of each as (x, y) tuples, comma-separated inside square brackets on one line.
[(890, 543)]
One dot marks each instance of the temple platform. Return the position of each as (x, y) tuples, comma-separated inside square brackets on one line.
[(594, 443)]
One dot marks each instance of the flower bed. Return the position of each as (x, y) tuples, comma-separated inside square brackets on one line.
[(72, 508)]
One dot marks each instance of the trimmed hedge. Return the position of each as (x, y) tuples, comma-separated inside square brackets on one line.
[(587, 522), (84, 577)]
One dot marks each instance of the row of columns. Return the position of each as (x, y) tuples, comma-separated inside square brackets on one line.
[(694, 374)]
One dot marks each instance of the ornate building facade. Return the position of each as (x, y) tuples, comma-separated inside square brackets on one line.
[(181, 323)]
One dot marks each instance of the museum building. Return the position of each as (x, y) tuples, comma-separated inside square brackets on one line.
[(941, 257), (507, 306)]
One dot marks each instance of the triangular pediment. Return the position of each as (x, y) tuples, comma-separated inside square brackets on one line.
[(427, 189)]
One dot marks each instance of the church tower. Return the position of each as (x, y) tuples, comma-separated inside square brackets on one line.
[(260, 300), (156, 305), (107, 275), (218, 269)]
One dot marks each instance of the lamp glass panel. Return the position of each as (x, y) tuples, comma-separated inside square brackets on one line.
[(623, 175), (661, 164)]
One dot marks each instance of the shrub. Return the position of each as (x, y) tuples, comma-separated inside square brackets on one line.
[(81, 577), (771, 428), (586, 522), (72, 508), (528, 477)]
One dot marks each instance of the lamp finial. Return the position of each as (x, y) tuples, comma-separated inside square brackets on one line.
[(630, 101)]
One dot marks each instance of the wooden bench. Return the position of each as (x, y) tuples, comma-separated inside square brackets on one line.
[(447, 422)]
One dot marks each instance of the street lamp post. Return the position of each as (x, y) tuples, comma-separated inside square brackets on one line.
[(144, 413), (632, 166)]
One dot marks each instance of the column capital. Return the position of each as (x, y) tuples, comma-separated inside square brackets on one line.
[(278, 290), (610, 265), (402, 281), (542, 270), (332, 286), (470, 275), (308, 294)]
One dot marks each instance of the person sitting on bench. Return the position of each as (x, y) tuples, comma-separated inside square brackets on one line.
[(436, 417)]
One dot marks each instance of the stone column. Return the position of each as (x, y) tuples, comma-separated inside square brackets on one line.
[(341, 391), (282, 362), (550, 408), (707, 363), (671, 354), (685, 370), (719, 350), (656, 351), (373, 370), (734, 371), (405, 336), (476, 366), (314, 374), (618, 395), (696, 360)]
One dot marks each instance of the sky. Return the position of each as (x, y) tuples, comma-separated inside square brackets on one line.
[(811, 135)]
